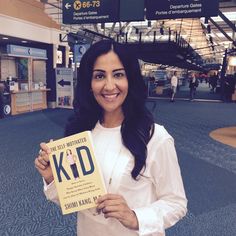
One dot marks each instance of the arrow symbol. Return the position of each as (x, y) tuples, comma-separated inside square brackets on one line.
[(62, 82), (67, 6)]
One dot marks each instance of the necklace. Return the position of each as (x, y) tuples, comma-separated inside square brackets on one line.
[(93, 210), (111, 160), (113, 168)]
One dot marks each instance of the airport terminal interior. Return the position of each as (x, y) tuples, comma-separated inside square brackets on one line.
[(41, 46)]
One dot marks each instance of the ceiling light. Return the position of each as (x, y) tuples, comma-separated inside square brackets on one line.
[(5, 38), (24, 41)]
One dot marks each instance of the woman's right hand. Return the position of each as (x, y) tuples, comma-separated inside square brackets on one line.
[(42, 163)]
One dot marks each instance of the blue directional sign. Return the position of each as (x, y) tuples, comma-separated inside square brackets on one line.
[(79, 50), (131, 10), (90, 11), (171, 9)]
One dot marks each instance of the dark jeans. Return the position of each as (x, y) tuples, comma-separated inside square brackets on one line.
[(192, 92), (74, 170)]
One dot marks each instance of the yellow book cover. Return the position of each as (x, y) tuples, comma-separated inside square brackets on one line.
[(79, 181)]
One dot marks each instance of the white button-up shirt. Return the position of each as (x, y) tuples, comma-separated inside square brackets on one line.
[(158, 197)]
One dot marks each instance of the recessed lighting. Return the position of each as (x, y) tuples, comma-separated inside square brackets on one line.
[(5, 38), (24, 41)]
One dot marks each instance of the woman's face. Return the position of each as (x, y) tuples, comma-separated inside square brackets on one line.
[(109, 83)]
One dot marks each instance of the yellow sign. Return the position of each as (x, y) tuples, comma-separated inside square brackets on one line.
[(86, 4), (90, 11), (77, 5)]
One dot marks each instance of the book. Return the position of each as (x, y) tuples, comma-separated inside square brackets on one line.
[(78, 178)]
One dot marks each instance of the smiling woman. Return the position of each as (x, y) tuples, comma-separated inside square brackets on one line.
[(110, 87), (137, 157)]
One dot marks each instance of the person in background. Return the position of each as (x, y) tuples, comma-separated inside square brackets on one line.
[(223, 88), (206, 79), (137, 157), (174, 84), (193, 83), (229, 87), (213, 82)]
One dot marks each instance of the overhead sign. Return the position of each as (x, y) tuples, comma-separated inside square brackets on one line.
[(131, 10), (79, 50), (172, 9), (16, 50), (90, 11), (64, 87)]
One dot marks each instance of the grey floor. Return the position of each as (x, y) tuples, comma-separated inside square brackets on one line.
[(208, 169)]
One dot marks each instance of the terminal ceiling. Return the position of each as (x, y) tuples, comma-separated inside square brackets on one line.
[(210, 45)]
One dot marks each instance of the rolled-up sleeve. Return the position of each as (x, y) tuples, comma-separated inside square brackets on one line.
[(50, 192), (171, 203)]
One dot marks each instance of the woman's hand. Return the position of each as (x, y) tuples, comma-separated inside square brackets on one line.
[(42, 163), (115, 206)]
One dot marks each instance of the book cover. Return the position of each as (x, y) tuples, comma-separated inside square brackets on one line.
[(79, 181)]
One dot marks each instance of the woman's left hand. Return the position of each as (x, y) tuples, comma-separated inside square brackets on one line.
[(115, 206)]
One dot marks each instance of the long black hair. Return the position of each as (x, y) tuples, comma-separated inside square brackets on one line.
[(138, 126)]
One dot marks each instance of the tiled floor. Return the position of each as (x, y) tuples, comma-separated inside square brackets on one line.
[(208, 169)]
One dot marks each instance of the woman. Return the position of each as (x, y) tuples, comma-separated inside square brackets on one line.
[(137, 157), (174, 84), (193, 84)]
